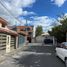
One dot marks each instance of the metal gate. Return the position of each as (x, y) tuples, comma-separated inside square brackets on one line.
[(2, 43)]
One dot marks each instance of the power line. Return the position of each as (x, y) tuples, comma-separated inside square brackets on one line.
[(9, 11)]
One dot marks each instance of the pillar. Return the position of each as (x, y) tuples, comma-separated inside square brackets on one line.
[(53, 40), (0, 24), (17, 44), (8, 42)]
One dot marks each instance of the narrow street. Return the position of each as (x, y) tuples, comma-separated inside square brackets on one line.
[(33, 33), (34, 56)]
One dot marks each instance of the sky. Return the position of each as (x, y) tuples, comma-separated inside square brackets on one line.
[(36, 12)]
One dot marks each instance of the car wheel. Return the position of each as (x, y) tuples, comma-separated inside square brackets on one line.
[(66, 62)]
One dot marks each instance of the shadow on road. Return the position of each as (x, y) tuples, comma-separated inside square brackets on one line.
[(43, 49), (40, 57)]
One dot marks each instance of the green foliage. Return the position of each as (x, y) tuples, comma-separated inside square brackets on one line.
[(39, 31), (60, 31)]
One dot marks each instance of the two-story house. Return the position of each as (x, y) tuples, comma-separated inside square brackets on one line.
[(27, 31), (8, 38)]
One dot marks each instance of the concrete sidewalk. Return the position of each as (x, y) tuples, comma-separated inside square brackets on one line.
[(35, 44), (14, 51)]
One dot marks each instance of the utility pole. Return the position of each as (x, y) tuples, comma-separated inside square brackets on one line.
[(53, 40), (26, 31)]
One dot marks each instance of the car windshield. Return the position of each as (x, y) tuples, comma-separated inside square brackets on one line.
[(65, 44)]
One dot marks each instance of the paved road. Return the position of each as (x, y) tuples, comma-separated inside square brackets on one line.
[(34, 56)]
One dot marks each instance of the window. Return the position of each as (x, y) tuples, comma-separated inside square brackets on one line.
[(3, 25), (28, 29), (64, 45), (29, 33), (23, 29)]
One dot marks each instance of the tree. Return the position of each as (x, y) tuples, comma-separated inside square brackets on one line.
[(39, 31), (60, 31)]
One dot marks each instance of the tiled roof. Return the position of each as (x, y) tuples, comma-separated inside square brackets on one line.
[(3, 21), (24, 27), (5, 30)]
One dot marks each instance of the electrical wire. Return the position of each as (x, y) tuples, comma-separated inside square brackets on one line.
[(1, 2)]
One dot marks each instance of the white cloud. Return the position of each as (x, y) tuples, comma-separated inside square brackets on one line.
[(59, 3), (28, 3), (16, 8), (20, 3), (25, 13), (46, 22), (23, 21), (65, 14), (62, 17)]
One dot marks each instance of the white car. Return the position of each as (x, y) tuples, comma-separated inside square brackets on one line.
[(61, 52)]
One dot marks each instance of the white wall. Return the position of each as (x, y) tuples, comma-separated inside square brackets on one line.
[(34, 29)]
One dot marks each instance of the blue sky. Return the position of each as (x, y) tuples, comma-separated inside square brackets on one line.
[(47, 8), (36, 12)]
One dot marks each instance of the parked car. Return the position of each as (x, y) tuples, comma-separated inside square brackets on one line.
[(61, 52), (47, 41)]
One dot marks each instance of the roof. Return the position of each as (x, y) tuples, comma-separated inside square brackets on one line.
[(45, 33), (3, 21), (24, 27), (11, 27), (5, 30), (23, 33)]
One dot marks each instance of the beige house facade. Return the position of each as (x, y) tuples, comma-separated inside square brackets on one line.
[(8, 38)]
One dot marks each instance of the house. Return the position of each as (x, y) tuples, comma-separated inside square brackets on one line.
[(21, 35), (45, 34), (8, 38), (26, 31)]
